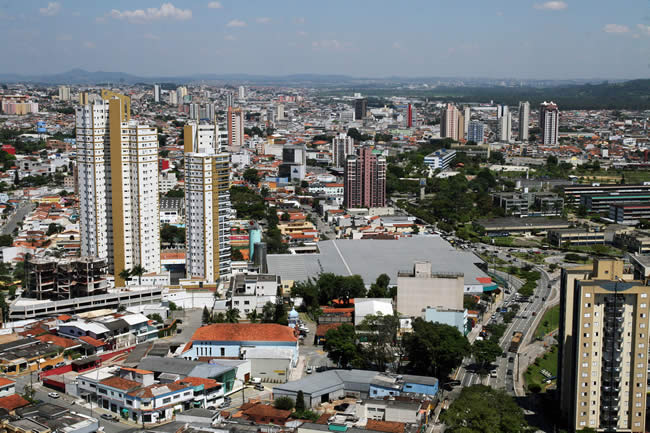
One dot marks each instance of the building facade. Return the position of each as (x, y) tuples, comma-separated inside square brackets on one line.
[(207, 201), (549, 123), (365, 180), (235, 122), (342, 146), (524, 120), (476, 132), (421, 288), (440, 159), (603, 348), (449, 122), (117, 168)]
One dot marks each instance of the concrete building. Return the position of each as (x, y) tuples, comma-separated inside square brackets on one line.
[(575, 237), (365, 180), (342, 146), (294, 162), (207, 200), (476, 132), (629, 214), (156, 93), (575, 194), (250, 292), (449, 122), (549, 123), (421, 288), (440, 159), (360, 108), (448, 316), (524, 120), (603, 353), (64, 93), (235, 121), (504, 124), (56, 279), (371, 306), (117, 167)]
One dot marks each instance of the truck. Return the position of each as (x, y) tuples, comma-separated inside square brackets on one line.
[(515, 342)]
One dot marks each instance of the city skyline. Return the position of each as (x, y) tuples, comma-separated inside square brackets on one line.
[(353, 39)]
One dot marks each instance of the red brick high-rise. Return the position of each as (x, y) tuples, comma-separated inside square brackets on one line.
[(365, 180)]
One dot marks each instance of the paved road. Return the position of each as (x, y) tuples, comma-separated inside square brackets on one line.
[(67, 402), (19, 215)]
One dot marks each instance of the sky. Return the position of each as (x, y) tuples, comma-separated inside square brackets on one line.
[(528, 39)]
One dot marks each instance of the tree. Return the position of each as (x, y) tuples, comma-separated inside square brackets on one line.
[(253, 317), (54, 228), (6, 240), (138, 271), (236, 255), (341, 345), (170, 234), (486, 351), (175, 193), (268, 312), (283, 403), (300, 401), (251, 176), (381, 340), (125, 274), (155, 316), (379, 289), (285, 217), (351, 287), (480, 408), (172, 306), (206, 315), (232, 315), (435, 349)]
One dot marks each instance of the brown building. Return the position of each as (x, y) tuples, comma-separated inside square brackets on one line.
[(603, 353)]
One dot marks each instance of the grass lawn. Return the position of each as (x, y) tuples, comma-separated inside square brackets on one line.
[(550, 322), (499, 241), (598, 249), (492, 260), (547, 362)]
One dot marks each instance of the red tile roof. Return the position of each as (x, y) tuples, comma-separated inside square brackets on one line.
[(244, 332), (4, 381), (12, 402), (196, 381), (66, 343), (120, 383), (136, 370), (385, 426), (322, 329), (92, 341)]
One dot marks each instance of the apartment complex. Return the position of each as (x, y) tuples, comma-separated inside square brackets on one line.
[(342, 146), (360, 107), (476, 132), (452, 123), (117, 168), (55, 279), (235, 122), (603, 348), (365, 180), (549, 123), (207, 200), (504, 123), (524, 120)]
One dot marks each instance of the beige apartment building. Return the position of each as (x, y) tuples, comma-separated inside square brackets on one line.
[(422, 288), (603, 362)]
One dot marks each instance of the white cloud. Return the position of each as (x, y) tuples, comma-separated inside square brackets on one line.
[(214, 5), (615, 28), (551, 6), (300, 21), (167, 10), (236, 23), (52, 9), (263, 20), (64, 37), (643, 29), (151, 37), (89, 44), (230, 38)]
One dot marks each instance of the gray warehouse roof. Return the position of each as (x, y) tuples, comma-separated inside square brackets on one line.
[(372, 257), (182, 367)]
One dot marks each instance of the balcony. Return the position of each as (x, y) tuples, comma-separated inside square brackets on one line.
[(613, 309)]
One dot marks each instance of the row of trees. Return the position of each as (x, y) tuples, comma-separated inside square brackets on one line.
[(271, 313), (327, 288)]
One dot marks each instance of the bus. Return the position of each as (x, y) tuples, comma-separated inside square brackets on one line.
[(515, 342)]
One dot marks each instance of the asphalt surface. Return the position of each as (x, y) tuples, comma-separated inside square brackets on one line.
[(24, 208)]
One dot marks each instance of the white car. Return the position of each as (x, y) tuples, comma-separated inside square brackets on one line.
[(493, 373), (53, 394), (310, 370)]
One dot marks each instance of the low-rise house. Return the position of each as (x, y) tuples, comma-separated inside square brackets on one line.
[(264, 414)]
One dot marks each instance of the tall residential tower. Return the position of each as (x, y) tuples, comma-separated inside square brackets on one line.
[(342, 146), (117, 166), (207, 201), (365, 180), (549, 123), (524, 120), (235, 120)]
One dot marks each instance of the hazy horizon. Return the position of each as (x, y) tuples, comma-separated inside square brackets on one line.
[(501, 39)]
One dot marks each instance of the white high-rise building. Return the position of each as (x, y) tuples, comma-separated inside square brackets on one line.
[(207, 201), (476, 132), (181, 93), (280, 111), (342, 146), (242, 93), (64, 93), (524, 120), (156, 92), (173, 98), (549, 122), (117, 166), (505, 124)]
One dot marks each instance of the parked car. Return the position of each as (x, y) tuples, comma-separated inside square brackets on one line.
[(47, 367), (59, 364), (493, 373), (310, 370), (255, 380), (259, 387), (108, 417), (53, 394)]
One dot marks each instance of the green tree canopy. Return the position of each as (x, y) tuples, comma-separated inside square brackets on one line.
[(435, 348), (481, 409), (341, 345)]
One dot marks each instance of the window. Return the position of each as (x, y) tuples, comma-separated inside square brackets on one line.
[(587, 295), (167, 400), (223, 351)]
